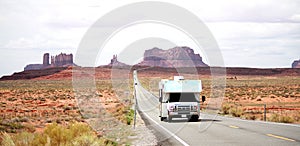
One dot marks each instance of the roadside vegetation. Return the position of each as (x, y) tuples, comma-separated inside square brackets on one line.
[(29, 107), (75, 134), (246, 96)]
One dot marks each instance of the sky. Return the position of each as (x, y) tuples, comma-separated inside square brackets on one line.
[(254, 33)]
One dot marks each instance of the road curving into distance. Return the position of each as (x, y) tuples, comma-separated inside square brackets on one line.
[(213, 129)]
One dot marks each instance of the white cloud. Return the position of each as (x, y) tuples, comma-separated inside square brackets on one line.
[(247, 31), (295, 17), (246, 10), (37, 42), (257, 44)]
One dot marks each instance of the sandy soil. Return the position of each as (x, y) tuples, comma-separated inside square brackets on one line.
[(47, 99)]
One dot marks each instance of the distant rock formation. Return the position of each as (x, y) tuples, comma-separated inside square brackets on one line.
[(61, 60), (114, 62), (46, 60), (296, 64), (174, 57), (34, 67)]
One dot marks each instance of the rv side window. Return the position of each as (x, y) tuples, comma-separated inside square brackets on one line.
[(182, 97)]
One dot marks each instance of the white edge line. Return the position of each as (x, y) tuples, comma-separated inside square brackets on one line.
[(169, 132), (172, 134)]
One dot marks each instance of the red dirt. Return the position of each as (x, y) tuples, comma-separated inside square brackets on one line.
[(105, 72), (36, 108)]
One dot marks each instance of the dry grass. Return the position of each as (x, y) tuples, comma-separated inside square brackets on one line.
[(249, 94), (76, 134), (31, 105)]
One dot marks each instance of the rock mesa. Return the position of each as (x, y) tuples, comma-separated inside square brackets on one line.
[(174, 57), (61, 60), (296, 64)]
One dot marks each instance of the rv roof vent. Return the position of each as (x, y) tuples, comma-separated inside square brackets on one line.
[(178, 78)]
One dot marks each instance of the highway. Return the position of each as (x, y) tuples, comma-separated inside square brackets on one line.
[(213, 129)]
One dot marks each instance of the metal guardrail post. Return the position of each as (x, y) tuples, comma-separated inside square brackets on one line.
[(134, 122), (265, 112), (135, 100)]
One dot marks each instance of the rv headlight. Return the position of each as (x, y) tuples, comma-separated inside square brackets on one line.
[(172, 108), (195, 107)]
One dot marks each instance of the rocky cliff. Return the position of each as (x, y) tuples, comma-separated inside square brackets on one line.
[(114, 62), (61, 60), (174, 57), (296, 64)]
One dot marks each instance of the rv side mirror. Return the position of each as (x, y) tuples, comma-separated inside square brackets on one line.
[(203, 98), (160, 95)]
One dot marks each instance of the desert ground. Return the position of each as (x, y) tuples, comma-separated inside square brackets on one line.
[(34, 103)]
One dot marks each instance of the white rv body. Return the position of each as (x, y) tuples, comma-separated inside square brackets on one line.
[(180, 98)]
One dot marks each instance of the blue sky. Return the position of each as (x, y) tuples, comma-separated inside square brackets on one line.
[(254, 33)]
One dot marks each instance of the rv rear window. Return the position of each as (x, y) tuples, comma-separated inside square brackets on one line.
[(182, 97)]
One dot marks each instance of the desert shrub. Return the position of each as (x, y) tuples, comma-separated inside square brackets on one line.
[(225, 109), (10, 126), (2, 128), (129, 116), (274, 118), (236, 112), (282, 119), (16, 119), (250, 117), (87, 140), (42, 99), (23, 139), (48, 120), (66, 108), (78, 129), (110, 143), (2, 104), (58, 134), (12, 99), (20, 119), (58, 120), (40, 139), (6, 140), (24, 119), (29, 128), (287, 119), (76, 134)]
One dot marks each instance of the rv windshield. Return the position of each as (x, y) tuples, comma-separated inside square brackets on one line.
[(182, 97)]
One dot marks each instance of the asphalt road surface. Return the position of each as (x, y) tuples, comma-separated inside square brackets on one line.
[(213, 129)]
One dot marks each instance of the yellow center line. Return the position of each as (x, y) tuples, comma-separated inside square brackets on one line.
[(231, 126), (280, 137)]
